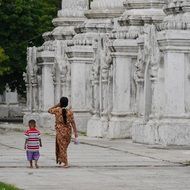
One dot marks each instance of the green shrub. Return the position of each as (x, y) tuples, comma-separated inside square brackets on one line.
[(4, 186)]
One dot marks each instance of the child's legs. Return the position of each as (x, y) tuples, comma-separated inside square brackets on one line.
[(31, 165), (36, 156), (29, 157)]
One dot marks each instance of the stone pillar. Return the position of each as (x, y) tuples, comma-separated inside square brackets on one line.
[(173, 127), (139, 78), (47, 86), (100, 23), (53, 69), (46, 57), (168, 122), (71, 15), (81, 58), (30, 78), (33, 79), (106, 84), (39, 81), (63, 83), (148, 79), (98, 124), (34, 93), (122, 114), (131, 27), (59, 60), (94, 121)]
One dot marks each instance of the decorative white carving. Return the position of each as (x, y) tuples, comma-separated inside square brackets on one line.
[(30, 78), (178, 16)]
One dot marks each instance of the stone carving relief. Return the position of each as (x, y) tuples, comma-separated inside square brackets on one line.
[(140, 64), (95, 73), (106, 59), (178, 16), (30, 78), (151, 49), (39, 81), (152, 58)]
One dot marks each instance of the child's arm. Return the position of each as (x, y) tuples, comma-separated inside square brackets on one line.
[(40, 142), (25, 143)]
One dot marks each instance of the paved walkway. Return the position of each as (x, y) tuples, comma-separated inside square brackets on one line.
[(96, 164)]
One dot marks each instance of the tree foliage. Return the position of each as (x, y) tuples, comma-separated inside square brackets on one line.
[(4, 68), (22, 23)]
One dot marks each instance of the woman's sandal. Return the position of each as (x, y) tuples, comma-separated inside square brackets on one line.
[(66, 166)]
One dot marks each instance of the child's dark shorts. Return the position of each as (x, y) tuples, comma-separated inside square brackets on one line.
[(32, 155)]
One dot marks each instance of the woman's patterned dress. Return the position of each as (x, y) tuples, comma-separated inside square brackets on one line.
[(63, 133)]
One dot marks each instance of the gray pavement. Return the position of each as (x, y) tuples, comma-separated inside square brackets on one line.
[(96, 164)]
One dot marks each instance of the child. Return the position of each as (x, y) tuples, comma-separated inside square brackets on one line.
[(32, 143)]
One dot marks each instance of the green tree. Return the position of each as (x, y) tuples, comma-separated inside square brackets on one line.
[(4, 68), (22, 22)]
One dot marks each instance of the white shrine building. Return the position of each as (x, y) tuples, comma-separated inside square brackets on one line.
[(123, 64)]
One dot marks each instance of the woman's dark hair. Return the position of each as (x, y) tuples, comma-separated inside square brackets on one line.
[(63, 105)]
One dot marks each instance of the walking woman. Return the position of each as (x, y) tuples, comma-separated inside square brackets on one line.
[(64, 123)]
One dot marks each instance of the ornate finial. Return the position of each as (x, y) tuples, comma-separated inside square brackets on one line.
[(106, 4), (73, 8), (144, 4)]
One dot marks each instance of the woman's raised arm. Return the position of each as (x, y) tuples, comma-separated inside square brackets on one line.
[(51, 110)]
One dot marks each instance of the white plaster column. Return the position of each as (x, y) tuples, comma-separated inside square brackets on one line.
[(46, 61), (121, 85), (149, 74), (174, 89), (59, 61), (95, 126), (47, 86), (139, 78), (34, 93), (94, 122), (28, 94), (39, 81), (63, 83), (131, 23), (81, 57), (79, 86), (53, 77), (174, 40), (100, 22), (32, 72), (30, 78), (95, 82), (61, 71), (71, 15), (44, 66), (123, 111), (168, 123)]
